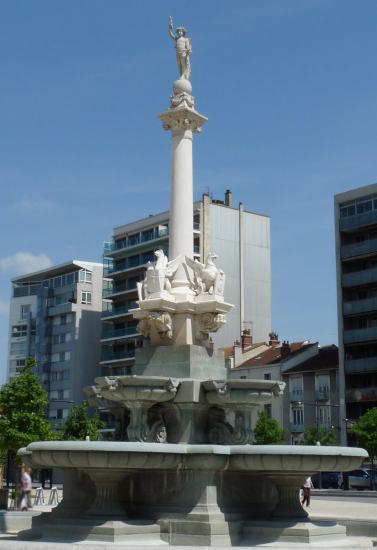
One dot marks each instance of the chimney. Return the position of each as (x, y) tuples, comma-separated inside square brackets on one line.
[(246, 340), (273, 339), (228, 197), (285, 350)]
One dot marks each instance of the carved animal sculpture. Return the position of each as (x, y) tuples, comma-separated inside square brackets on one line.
[(204, 274)]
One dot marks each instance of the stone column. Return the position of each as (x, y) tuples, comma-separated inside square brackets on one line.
[(182, 120)]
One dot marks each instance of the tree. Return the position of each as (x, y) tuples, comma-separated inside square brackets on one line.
[(79, 424), (268, 431), (365, 432), (23, 403), (313, 435)]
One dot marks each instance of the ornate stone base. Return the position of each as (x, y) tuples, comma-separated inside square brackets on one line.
[(180, 362)]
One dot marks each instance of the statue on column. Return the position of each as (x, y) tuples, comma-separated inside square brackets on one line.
[(183, 50)]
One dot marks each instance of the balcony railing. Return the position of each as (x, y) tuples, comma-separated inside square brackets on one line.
[(128, 263), (296, 428), (109, 355), (365, 364), (358, 249), (322, 395), (360, 335), (296, 395), (359, 277), (118, 310), (116, 289), (120, 333), (360, 306), (135, 240), (359, 220), (361, 395)]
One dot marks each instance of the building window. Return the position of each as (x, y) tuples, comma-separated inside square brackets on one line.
[(268, 410), (298, 416), (85, 276), (267, 376), (20, 362), (19, 330), (25, 311), (86, 297)]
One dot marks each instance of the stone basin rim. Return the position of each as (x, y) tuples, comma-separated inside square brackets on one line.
[(192, 449)]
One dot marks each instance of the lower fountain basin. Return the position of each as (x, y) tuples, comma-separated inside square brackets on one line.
[(177, 493), (138, 455)]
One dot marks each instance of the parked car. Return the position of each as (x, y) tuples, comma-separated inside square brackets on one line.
[(329, 480), (360, 479)]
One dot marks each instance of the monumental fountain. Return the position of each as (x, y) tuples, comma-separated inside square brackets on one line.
[(182, 469)]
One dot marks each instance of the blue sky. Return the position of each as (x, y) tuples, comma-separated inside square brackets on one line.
[(290, 89)]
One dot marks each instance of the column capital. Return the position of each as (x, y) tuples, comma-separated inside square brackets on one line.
[(182, 118)]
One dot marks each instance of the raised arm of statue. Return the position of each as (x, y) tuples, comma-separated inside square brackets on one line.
[(171, 33)]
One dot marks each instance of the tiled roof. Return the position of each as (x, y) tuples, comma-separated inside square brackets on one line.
[(326, 358), (273, 355)]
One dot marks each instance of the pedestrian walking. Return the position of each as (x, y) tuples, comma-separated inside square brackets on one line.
[(306, 490), (26, 487)]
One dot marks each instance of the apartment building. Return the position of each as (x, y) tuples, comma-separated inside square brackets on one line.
[(241, 239), (55, 316), (355, 215), (310, 372)]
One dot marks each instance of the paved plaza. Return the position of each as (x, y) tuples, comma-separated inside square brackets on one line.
[(358, 511)]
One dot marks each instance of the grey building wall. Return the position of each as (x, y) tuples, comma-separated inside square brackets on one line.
[(355, 216)]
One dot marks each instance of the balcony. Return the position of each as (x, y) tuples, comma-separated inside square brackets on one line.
[(360, 306), (322, 394), (296, 428), (118, 289), (358, 249), (119, 334), (61, 309), (365, 364), (360, 335), (358, 278), (127, 264), (359, 220), (117, 247), (361, 395), (118, 312), (296, 395), (110, 356)]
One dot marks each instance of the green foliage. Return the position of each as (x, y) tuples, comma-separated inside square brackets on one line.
[(79, 424), (365, 432), (311, 435), (268, 431), (23, 403)]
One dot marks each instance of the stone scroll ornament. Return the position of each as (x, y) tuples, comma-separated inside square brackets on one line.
[(208, 279)]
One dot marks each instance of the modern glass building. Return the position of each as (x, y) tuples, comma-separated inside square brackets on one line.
[(356, 260), (55, 316), (241, 240)]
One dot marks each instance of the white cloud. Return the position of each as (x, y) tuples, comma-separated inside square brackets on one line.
[(28, 204), (24, 262), (4, 308)]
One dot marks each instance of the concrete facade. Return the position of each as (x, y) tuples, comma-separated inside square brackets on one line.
[(355, 214), (241, 240), (55, 316)]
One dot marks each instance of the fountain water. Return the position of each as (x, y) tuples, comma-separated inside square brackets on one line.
[(183, 469)]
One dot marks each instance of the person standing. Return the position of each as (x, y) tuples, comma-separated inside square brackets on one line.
[(306, 490), (26, 486)]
